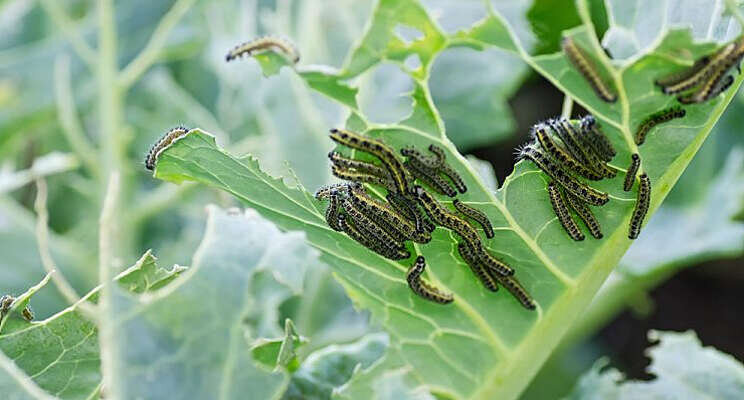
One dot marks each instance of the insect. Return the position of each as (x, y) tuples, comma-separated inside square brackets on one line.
[(365, 224), (561, 211), (656, 118), (641, 208), (423, 289), (707, 93), (27, 314), (580, 147), (586, 215), (378, 149), (597, 139), (366, 241), (391, 221), (470, 259), (444, 217), (518, 291), (411, 211), (431, 162), (699, 72), (683, 75), (267, 43), (333, 211), (324, 191), (361, 177), (475, 214), (562, 155), (360, 166), (580, 190), (630, 175), (587, 69), (163, 143), (430, 178)]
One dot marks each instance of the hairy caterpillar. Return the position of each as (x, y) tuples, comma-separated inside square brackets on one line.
[(699, 72), (684, 75), (586, 215), (163, 143), (561, 211), (444, 217), (264, 44), (388, 219), (324, 191), (333, 210), (602, 146), (584, 192), (641, 208), (366, 241), (359, 166), (423, 289), (411, 211), (470, 259), (630, 175), (582, 149), (707, 92), (27, 313), (562, 155), (424, 165), (354, 176), (475, 214), (365, 224), (378, 149), (587, 69), (430, 178), (518, 291), (6, 303), (431, 162), (656, 118)]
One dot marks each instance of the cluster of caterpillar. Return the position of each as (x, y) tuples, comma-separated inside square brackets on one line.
[(409, 212), (6, 303), (567, 151), (707, 77)]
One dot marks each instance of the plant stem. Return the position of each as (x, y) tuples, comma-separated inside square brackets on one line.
[(567, 107), (83, 50)]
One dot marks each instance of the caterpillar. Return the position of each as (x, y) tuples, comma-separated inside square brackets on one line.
[(707, 93), (561, 211), (360, 166), (163, 143), (518, 291), (264, 44), (475, 214), (366, 241), (438, 152), (562, 155), (378, 149), (430, 178), (470, 259), (656, 118), (333, 210), (365, 224), (410, 210), (324, 191), (596, 138), (700, 71), (454, 177), (361, 177), (580, 147), (444, 217), (584, 192), (430, 162), (588, 70), (641, 208), (683, 75), (630, 175), (396, 224), (423, 289), (27, 313), (586, 215)]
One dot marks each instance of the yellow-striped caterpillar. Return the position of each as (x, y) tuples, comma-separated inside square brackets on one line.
[(641, 208), (708, 92), (580, 147), (422, 288), (163, 143), (582, 191), (267, 43), (630, 175), (27, 314), (430, 178), (431, 162), (656, 118), (6, 303), (375, 232), (703, 69), (353, 232), (587, 69), (475, 214), (378, 149), (390, 220), (411, 211), (478, 270), (333, 210), (520, 293), (325, 191), (562, 155), (440, 215), (586, 215), (354, 176), (359, 166), (596, 138), (561, 211), (683, 76)]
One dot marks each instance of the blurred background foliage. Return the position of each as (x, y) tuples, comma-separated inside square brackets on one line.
[(62, 118)]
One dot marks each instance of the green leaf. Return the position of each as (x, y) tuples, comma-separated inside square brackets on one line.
[(483, 345), (329, 368), (60, 354), (684, 369), (279, 352)]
